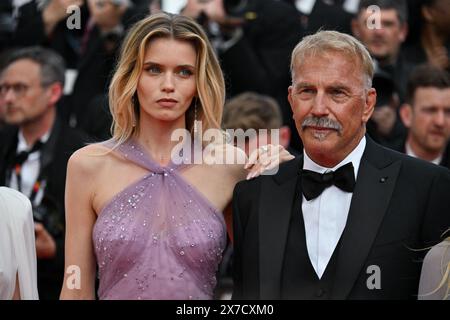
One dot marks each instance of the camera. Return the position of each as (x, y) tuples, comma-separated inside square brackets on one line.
[(48, 213)]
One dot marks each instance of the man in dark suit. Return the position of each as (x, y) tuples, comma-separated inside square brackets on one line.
[(426, 114), (343, 220), (34, 149), (90, 50)]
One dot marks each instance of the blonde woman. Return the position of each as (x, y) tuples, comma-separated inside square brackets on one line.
[(435, 276), (18, 277), (153, 228)]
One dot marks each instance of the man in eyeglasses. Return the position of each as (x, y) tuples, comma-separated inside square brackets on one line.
[(34, 149)]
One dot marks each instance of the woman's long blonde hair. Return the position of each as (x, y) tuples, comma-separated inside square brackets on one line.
[(123, 101)]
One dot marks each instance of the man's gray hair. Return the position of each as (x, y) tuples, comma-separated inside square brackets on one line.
[(324, 41), (51, 63)]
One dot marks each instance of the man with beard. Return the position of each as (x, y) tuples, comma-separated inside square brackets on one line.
[(427, 115), (384, 41)]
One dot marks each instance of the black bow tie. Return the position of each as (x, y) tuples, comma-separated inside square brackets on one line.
[(23, 155), (313, 183)]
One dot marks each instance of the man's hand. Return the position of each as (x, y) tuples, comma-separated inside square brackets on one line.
[(56, 11), (106, 15), (212, 8), (45, 244)]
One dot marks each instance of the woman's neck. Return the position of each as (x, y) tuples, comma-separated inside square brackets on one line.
[(156, 137)]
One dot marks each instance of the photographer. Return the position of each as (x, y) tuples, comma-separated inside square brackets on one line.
[(34, 149), (254, 39)]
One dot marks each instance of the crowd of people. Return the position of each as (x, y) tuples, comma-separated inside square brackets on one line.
[(350, 99)]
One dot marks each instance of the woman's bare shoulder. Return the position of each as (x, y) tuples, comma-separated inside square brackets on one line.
[(90, 158)]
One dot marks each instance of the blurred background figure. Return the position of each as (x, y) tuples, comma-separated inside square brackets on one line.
[(426, 114), (89, 50), (325, 14), (254, 39), (258, 112), (34, 149), (385, 126), (384, 43), (431, 43), (17, 247)]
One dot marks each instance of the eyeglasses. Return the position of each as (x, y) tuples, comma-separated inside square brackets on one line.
[(19, 89)]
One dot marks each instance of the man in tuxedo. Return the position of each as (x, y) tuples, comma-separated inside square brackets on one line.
[(343, 220), (384, 42), (427, 115), (34, 149)]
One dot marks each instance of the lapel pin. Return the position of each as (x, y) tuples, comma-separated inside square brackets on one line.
[(383, 180)]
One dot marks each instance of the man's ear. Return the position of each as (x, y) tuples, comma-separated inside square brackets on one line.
[(55, 92), (355, 27), (290, 90), (403, 32), (406, 114), (369, 104)]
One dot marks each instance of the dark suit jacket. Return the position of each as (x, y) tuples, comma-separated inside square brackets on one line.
[(445, 162), (260, 60), (386, 222), (66, 141)]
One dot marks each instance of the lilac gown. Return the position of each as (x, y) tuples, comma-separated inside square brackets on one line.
[(159, 238)]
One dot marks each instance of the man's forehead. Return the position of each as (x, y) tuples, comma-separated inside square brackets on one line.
[(431, 96), (24, 69), (329, 75), (384, 14)]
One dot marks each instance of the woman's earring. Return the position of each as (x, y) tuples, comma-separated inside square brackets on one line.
[(195, 119), (135, 108)]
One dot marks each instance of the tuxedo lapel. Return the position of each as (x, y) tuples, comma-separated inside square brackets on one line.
[(277, 198), (374, 186)]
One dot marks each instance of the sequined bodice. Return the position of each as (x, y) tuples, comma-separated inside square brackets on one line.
[(159, 238)]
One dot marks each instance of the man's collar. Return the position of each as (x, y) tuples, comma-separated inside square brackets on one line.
[(22, 143), (354, 157)]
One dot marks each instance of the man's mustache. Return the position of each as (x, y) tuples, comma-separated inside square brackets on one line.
[(321, 122)]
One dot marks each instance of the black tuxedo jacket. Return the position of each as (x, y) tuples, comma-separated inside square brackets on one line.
[(445, 162), (63, 141), (399, 204)]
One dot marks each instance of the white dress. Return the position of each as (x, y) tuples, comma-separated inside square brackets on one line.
[(17, 246)]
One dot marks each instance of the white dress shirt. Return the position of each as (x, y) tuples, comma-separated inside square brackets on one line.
[(410, 152), (30, 169), (325, 216)]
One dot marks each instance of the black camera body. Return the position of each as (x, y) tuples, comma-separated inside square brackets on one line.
[(48, 213)]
